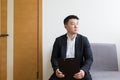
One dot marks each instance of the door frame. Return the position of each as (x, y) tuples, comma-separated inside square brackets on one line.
[(40, 64)]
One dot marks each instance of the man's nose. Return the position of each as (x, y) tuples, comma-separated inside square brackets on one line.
[(76, 26)]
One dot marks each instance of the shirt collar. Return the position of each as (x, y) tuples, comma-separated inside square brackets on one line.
[(73, 38)]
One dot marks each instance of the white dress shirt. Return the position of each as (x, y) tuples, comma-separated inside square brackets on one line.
[(70, 47)]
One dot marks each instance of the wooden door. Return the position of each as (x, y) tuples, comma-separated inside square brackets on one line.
[(40, 41), (27, 40), (3, 39)]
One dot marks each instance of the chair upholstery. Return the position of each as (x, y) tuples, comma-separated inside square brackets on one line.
[(105, 64)]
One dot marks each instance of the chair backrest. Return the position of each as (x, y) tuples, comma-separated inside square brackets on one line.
[(104, 56)]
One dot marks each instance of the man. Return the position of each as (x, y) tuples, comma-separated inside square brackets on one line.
[(72, 45)]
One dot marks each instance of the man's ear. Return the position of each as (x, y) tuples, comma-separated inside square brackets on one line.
[(65, 26)]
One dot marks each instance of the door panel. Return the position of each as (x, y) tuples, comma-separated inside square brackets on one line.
[(3, 40), (25, 39)]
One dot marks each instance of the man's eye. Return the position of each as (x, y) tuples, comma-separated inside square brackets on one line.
[(72, 24)]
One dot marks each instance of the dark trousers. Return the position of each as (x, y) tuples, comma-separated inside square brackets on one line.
[(87, 77)]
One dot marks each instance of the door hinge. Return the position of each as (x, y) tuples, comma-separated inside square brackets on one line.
[(37, 75)]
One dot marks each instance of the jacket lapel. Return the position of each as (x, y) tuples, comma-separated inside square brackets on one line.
[(64, 46), (78, 45)]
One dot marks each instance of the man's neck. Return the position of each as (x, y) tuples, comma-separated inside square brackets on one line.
[(71, 36)]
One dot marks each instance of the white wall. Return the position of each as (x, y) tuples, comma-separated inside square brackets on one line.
[(99, 21), (10, 22)]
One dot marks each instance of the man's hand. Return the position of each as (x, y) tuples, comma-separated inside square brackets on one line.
[(59, 74), (79, 75)]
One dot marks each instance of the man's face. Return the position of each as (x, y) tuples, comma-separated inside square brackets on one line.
[(72, 26)]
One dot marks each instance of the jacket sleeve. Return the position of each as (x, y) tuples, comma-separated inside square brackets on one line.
[(87, 54), (54, 55)]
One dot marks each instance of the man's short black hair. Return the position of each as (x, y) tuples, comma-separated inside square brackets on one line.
[(70, 17)]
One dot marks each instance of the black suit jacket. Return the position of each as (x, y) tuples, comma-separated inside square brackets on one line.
[(82, 51)]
